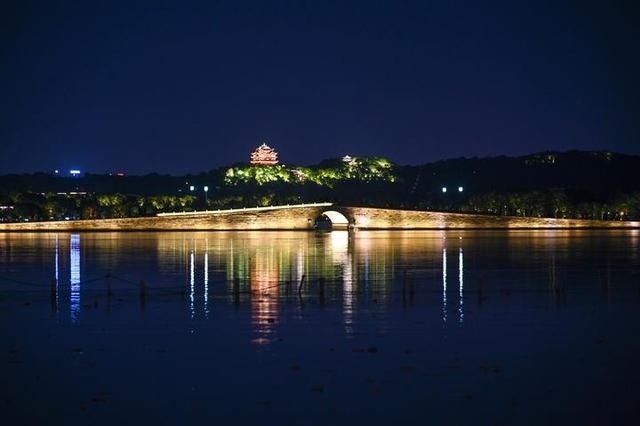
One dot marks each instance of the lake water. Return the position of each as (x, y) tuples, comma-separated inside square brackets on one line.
[(456, 327)]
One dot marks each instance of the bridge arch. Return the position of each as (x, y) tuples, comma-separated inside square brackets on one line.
[(332, 219)]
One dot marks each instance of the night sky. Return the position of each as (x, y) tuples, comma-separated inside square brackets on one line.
[(178, 87)]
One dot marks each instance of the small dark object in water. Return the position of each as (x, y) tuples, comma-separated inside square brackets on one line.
[(300, 285)]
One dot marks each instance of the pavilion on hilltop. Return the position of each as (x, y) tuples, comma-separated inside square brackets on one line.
[(264, 155)]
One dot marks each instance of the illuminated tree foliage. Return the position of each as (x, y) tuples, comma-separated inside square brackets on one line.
[(50, 206), (359, 169)]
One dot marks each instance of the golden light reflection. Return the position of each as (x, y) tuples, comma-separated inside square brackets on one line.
[(355, 267), (265, 285)]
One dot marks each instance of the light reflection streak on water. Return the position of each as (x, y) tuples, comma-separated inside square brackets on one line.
[(444, 285), (191, 282), (461, 284), (342, 257), (264, 279), (206, 284), (57, 266), (366, 270), (300, 264), (74, 259)]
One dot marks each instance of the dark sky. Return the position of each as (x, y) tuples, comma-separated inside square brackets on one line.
[(182, 86)]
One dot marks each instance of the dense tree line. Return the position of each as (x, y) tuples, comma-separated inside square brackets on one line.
[(589, 185), (52, 206), (551, 204)]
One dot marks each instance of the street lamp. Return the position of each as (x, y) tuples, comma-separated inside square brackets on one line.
[(192, 188), (460, 189), (444, 189), (206, 189)]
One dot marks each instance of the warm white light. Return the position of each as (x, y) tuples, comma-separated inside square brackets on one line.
[(444, 189), (461, 283), (460, 189), (192, 281), (74, 276), (191, 188), (206, 189), (444, 285)]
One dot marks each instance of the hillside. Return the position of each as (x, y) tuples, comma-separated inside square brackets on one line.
[(594, 185)]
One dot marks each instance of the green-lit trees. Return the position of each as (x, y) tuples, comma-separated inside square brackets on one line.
[(359, 169)]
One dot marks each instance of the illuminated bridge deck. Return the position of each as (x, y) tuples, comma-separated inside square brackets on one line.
[(305, 217)]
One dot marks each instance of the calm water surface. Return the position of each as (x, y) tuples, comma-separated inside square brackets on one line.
[(491, 327)]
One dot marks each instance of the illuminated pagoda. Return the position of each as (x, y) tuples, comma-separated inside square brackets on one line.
[(264, 155)]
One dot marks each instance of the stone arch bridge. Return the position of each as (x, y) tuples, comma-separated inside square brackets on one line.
[(305, 217)]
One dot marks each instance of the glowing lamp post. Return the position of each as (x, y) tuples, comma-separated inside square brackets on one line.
[(206, 189), (444, 189), (460, 189)]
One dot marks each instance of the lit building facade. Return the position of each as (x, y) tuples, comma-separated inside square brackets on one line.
[(264, 155)]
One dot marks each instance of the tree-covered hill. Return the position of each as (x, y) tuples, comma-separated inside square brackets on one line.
[(600, 185)]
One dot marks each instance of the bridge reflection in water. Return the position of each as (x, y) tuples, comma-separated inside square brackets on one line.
[(383, 316), (353, 272), (263, 271)]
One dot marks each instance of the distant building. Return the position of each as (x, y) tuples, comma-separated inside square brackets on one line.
[(299, 174), (264, 155), (349, 160)]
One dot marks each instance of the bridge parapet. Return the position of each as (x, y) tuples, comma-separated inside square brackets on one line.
[(304, 216)]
